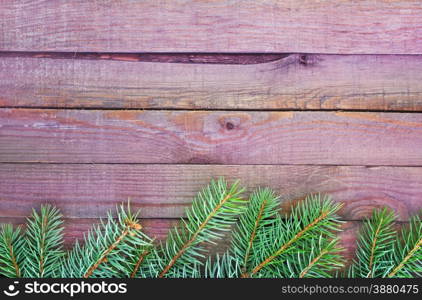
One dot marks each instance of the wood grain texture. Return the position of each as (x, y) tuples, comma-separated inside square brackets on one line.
[(91, 136), (165, 191), (311, 82), (366, 26)]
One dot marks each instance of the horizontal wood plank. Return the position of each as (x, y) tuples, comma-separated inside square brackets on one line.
[(366, 26), (217, 137), (308, 82), (165, 191)]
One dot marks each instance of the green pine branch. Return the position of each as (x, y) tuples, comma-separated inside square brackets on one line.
[(264, 244), (311, 219), (43, 243), (382, 252), (261, 212), (110, 249), (213, 213), (318, 260), (407, 254), (375, 245), (12, 251)]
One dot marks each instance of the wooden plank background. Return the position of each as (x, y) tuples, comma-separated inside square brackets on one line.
[(334, 26), (102, 101)]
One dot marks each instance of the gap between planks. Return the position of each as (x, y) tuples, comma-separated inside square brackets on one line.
[(186, 58), (199, 164), (211, 109)]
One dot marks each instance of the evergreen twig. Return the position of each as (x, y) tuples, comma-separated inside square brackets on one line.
[(375, 245), (108, 249), (43, 243), (265, 243), (12, 247), (407, 254), (309, 220), (213, 212)]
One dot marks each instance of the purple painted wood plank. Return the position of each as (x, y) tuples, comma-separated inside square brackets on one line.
[(365, 26), (359, 82), (90, 136)]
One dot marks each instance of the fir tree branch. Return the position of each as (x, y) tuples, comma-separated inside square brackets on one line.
[(302, 244), (262, 211), (326, 258), (317, 216), (285, 246), (129, 224), (267, 210), (373, 247), (108, 248), (225, 199), (188, 243), (375, 244), (407, 253), (406, 259), (11, 251), (44, 240), (213, 212), (255, 229)]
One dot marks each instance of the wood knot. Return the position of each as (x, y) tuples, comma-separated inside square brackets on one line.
[(308, 60), (232, 122), (303, 60), (230, 126)]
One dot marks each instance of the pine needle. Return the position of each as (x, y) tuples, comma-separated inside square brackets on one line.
[(222, 266)]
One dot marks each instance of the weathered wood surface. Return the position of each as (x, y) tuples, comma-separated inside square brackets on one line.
[(120, 136), (165, 191), (312, 82), (366, 26)]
